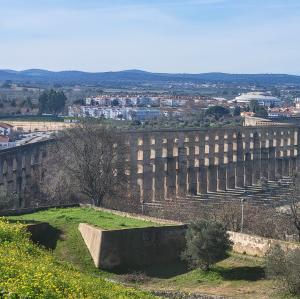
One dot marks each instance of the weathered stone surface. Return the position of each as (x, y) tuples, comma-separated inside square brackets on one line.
[(92, 237), (172, 164), (255, 245), (133, 248)]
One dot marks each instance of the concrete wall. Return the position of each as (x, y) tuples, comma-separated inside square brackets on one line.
[(133, 248), (257, 246)]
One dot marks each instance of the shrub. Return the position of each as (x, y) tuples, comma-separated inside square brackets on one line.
[(28, 271), (284, 267), (207, 243)]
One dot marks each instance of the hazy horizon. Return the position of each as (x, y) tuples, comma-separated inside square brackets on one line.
[(141, 70), (166, 36)]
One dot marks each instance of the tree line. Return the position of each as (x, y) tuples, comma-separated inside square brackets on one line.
[(52, 102)]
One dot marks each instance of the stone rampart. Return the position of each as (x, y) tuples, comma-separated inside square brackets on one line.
[(133, 248), (257, 246), (140, 247)]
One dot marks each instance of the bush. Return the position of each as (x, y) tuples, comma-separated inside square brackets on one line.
[(207, 243), (28, 271), (284, 267)]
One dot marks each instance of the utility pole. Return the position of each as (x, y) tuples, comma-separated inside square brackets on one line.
[(242, 219)]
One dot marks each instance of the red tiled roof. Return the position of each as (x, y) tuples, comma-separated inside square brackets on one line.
[(6, 126)]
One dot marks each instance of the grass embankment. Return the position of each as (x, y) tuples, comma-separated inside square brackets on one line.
[(239, 276), (69, 245), (28, 271)]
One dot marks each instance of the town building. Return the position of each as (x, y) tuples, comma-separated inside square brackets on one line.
[(5, 129), (263, 99), (5, 142)]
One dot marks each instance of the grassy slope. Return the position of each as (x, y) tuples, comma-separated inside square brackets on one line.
[(70, 245), (239, 276), (28, 271)]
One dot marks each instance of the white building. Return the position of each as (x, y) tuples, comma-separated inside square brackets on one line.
[(297, 103), (263, 99), (5, 143), (5, 129), (100, 112)]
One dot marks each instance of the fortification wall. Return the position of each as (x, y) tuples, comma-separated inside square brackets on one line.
[(256, 245), (133, 248), (140, 247)]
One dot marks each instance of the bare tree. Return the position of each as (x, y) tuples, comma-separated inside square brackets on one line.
[(88, 159), (295, 203)]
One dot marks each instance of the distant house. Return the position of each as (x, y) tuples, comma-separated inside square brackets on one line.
[(5, 143), (5, 129)]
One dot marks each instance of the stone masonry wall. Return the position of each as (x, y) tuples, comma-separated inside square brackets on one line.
[(257, 246)]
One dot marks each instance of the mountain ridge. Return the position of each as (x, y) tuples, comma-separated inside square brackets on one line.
[(139, 76)]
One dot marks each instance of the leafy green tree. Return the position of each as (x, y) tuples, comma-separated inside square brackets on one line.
[(52, 102), (217, 111), (79, 102), (115, 102), (257, 109), (27, 103), (261, 112), (13, 103), (237, 111), (284, 267), (206, 243), (253, 105)]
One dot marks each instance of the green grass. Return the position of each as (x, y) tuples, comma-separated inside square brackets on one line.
[(238, 276), (235, 268), (29, 271), (70, 246)]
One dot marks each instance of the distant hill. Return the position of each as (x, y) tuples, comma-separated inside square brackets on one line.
[(138, 76)]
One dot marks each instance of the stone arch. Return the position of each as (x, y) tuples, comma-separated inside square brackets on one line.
[(256, 158), (5, 167), (239, 173), (23, 161), (15, 163)]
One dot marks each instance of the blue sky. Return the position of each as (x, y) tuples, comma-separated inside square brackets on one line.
[(195, 36)]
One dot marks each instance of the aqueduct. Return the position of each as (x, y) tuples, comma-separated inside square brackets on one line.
[(169, 164), (18, 166), (174, 163)]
